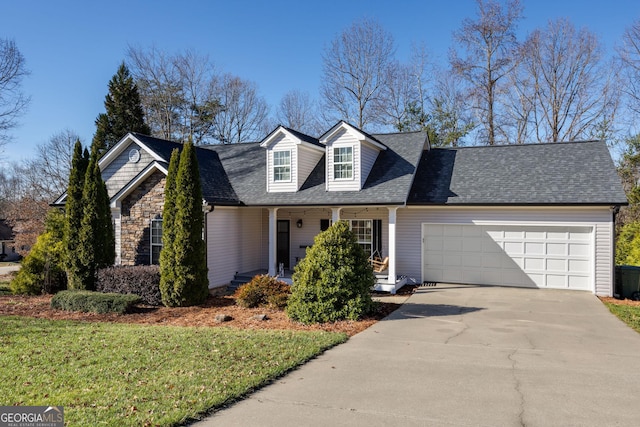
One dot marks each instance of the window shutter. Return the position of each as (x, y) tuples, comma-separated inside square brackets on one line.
[(377, 236)]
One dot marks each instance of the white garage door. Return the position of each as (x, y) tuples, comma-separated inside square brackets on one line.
[(530, 256)]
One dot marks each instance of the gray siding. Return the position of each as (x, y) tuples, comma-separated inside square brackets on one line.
[(120, 171)]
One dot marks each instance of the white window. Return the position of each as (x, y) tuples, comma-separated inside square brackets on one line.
[(156, 240), (282, 166), (363, 230), (343, 163)]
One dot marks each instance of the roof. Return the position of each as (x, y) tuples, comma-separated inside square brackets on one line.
[(216, 188), (574, 173), (388, 182)]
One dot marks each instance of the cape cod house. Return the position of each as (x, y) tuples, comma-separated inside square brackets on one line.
[(539, 215)]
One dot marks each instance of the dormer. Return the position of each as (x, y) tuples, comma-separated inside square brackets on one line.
[(351, 154), (291, 156)]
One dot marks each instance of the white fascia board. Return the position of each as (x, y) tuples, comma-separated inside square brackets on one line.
[(269, 138), (122, 145), (133, 184), (342, 125)]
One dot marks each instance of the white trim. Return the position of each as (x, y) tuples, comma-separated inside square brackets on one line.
[(122, 145), (273, 222), (133, 184), (391, 244), (274, 166), (359, 135), (282, 130)]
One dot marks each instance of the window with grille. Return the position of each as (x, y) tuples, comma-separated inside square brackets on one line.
[(156, 240), (363, 229), (282, 166), (343, 163)]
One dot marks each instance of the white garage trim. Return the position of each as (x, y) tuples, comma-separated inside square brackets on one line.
[(544, 256)]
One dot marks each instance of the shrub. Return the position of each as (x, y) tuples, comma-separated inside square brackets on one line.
[(42, 269), (628, 245), (263, 290), (78, 300), (141, 280), (333, 281)]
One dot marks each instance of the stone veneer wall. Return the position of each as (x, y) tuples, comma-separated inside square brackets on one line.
[(138, 209)]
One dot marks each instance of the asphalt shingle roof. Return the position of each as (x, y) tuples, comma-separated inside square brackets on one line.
[(388, 183), (216, 188), (535, 174)]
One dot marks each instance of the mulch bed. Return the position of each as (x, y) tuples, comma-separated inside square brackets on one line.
[(203, 315), (616, 301)]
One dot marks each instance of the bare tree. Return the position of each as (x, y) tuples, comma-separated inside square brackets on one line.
[(178, 93), (356, 71), (450, 118), (242, 111), (573, 94), (12, 101), (298, 111), (629, 53), (398, 98), (47, 174), (488, 45)]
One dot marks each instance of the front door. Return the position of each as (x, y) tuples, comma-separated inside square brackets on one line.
[(283, 243)]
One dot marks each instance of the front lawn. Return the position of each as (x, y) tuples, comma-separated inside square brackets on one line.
[(136, 375), (628, 312)]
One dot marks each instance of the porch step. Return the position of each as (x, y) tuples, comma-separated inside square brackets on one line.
[(238, 280)]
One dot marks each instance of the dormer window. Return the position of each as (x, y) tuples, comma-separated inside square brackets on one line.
[(281, 166), (343, 163)]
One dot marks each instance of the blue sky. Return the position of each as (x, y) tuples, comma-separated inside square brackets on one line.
[(73, 48)]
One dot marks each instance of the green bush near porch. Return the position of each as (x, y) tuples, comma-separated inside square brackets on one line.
[(333, 281)]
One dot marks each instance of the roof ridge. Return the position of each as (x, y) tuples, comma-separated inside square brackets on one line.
[(527, 144)]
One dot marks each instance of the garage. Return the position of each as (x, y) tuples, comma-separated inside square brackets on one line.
[(543, 256)]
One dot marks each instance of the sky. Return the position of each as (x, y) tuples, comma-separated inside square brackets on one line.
[(73, 48)]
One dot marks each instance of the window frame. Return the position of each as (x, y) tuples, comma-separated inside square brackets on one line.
[(153, 243), (285, 167), (339, 165), (362, 239)]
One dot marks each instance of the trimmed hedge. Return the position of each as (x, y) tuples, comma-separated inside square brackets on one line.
[(263, 290), (141, 280), (96, 302)]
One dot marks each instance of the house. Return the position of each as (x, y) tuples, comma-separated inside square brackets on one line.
[(539, 215), (7, 242)]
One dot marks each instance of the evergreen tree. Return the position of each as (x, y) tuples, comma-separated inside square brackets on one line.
[(42, 269), (167, 255), (187, 250), (73, 215), (124, 111), (333, 281), (96, 248)]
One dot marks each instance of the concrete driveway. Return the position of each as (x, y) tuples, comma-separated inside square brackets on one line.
[(466, 356)]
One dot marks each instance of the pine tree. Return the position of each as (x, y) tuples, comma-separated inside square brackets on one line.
[(73, 215), (187, 250), (96, 247), (167, 255), (124, 111)]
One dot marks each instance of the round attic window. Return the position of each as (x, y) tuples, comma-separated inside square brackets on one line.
[(134, 155)]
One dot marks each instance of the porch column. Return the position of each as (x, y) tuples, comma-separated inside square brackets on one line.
[(392, 245), (273, 222), (335, 214)]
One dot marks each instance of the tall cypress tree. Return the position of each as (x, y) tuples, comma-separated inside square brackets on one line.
[(167, 255), (96, 247), (190, 284), (73, 215), (124, 111)]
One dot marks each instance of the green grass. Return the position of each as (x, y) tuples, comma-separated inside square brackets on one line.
[(134, 375), (4, 288), (628, 314)]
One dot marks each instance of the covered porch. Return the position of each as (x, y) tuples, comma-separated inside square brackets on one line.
[(291, 230)]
